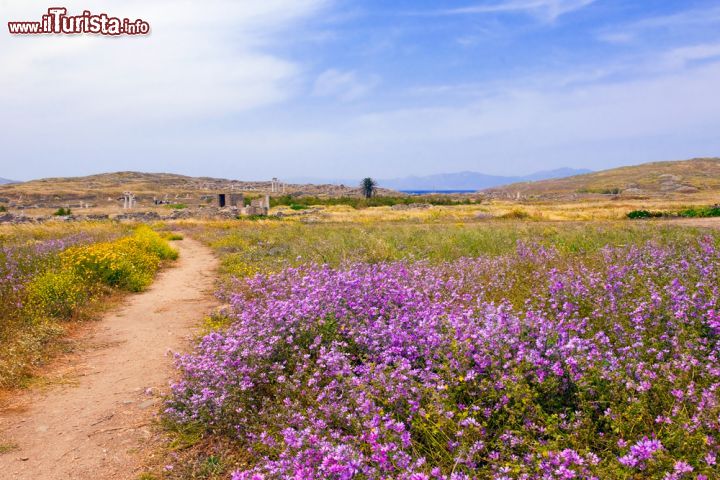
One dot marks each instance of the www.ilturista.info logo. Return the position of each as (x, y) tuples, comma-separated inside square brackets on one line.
[(57, 21)]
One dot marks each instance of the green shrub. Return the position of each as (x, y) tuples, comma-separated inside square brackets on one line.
[(637, 214), (702, 212), (62, 212), (177, 206), (298, 207), (516, 214), (699, 212)]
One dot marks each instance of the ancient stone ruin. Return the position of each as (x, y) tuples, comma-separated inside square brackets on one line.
[(259, 206), (128, 200), (276, 186), (230, 200), (236, 201)]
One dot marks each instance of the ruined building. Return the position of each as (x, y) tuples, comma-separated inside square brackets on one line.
[(259, 206)]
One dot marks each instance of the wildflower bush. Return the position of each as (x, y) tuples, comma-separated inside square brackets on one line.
[(49, 274), (129, 263), (246, 247), (534, 364), (56, 294)]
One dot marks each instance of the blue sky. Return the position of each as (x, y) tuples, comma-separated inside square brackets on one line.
[(340, 88)]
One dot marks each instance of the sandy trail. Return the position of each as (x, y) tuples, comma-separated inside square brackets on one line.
[(97, 428)]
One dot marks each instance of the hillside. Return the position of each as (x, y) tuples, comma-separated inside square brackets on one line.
[(664, 179), (107, 187), (5, 181)]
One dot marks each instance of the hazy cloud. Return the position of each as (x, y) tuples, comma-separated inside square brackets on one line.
[(682, 21), (346, 86)]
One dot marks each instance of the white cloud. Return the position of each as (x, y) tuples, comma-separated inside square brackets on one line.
[(670, 115), (682, 56), (213, 57), (547, 9), (345, 85)]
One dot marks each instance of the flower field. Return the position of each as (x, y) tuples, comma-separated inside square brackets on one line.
[(49, 274), (539, 362)]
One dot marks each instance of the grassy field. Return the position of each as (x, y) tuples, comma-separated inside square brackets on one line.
[(397, 344), (489, 210), (249, 247), (441, 349)]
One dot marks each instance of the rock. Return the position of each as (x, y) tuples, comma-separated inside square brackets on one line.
[(15, 219), (147, 404), (181, 214), (139, 216), (411, 206), (687, 189)]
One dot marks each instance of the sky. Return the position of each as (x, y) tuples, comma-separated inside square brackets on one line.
[(255, 89)]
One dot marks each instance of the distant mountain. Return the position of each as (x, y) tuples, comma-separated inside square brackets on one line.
[(472, 180), (5, 181), (446, 181), (658, 178)]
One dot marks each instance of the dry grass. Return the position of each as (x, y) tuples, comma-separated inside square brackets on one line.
[(7, 447), (495, 210), (703, 174)]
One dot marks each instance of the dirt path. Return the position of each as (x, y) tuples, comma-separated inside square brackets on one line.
[(96, 428)]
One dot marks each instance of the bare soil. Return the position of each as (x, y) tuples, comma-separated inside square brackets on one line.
[(97, 424)]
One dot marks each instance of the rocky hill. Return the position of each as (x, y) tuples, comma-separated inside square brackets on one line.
[(106, 188), (658, 179)]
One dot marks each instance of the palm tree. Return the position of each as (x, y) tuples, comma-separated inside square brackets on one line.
[(368, 187)]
